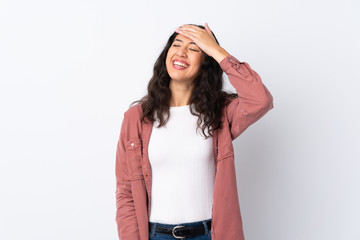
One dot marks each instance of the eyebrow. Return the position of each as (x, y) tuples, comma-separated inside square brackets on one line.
[(182, 41)]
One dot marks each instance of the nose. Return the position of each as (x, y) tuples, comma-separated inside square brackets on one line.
[(181, 52)]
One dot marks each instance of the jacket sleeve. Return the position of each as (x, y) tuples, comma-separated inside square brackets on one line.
[(125, 211), (254, 99)]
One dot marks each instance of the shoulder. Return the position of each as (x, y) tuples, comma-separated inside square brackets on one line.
[(134, 112), (132, 121)]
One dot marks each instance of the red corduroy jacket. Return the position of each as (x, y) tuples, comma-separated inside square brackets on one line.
[(133, 170)]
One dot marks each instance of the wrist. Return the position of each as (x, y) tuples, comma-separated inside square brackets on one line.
[(219, 54)]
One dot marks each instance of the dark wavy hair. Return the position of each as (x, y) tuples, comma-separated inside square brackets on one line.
[(207, 95)]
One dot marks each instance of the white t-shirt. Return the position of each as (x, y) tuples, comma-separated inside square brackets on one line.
[(183, 170)]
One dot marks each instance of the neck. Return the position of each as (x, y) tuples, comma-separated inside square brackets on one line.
[(180, 93)]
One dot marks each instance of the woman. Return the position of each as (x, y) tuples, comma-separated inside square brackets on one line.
[(174, 182)]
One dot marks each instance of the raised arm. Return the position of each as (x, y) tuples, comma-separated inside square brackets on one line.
[(254, 99)]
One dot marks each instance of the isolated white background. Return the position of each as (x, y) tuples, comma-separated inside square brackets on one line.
[(69, 70)]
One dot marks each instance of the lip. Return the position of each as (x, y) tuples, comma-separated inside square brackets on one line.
[(182, 61), (177, 67)]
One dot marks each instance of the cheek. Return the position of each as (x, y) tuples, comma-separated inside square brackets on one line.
[(167, 62), (198, 62), (198, 59)]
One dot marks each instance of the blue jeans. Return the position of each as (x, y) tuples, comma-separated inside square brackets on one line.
[(161, 236)]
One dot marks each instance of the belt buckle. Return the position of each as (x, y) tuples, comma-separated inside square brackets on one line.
[(174, 230)]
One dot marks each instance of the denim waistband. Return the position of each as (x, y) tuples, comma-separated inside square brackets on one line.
[(182, 224)]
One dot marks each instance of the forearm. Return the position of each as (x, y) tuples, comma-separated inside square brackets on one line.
[(220, 54), (127, 225)]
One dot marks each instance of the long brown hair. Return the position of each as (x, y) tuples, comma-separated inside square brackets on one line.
[(207, 97)]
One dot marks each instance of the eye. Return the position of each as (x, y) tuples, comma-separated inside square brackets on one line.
[(175, 45)]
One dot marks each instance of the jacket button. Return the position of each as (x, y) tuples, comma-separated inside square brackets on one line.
[(132, 144)]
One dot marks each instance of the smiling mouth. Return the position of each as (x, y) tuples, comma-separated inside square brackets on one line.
[(179, 65)]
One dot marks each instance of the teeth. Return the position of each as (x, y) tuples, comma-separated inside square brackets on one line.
[(180, 64)]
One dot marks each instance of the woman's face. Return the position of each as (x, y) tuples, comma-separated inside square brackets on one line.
[(184, 59)]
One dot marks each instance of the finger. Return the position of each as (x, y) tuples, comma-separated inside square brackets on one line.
[(193, 27), (207, 28), (209, 31), (188, 34), (197, 29), (188, 29)]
